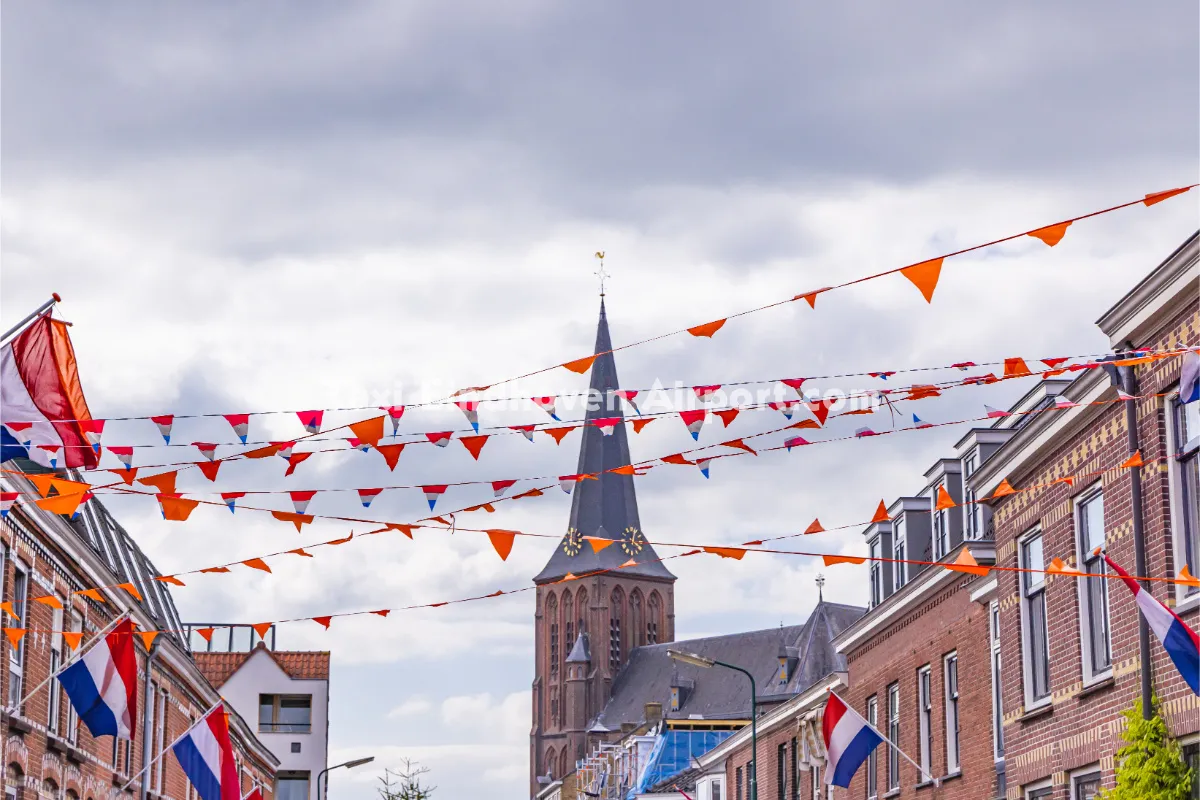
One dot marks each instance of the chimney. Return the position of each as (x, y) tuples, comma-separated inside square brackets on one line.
[(654, 712)]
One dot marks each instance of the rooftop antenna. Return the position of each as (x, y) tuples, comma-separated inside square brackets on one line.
[(601, 273), (820, 587)]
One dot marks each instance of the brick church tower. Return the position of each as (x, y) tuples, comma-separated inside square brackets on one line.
[(620, 598)]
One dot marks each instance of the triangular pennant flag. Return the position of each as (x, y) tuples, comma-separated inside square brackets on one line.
[(164, 482), (14, 635), (864, 431), (6, 502), (299, 520), (1051, 234), (727, 415), (1061, 402), (707, 329), (301, 499), (394, 414), (832, 560), (52, 450), (740, 445), (65, 504), (1005, 488), (920, 423), (72, 638), (1158, 197), (470, 409), (148, 638), (548, 404), (638, 424), (1123, 395), (300, 551), (488, 507), (922, 391), (368, 430), (474, 444), (129, 587), (810, 297), (795, 441), (994, 413), (787, 408), (967, 563), (128, 476), (266, 452), (706, 392), (1016, 368), (694, 420), (580, 365), (881, 513), (607, 424), (43, 483), (944, 500), (820, 408), (176, 508), (295, 460), (567, 482), (1185, 578), (677, 458), (209, 468), (240, 424), (171, 579), (284, 449), (262, 629), (598, 543), (502, 541), (736, 553), (391, 453), (257, 563), (1053, 362), (441, 439), (311, 420), (629, 396), (367, 495), (397, 526), (815, 527), (205, 633), (794, 383), (1133, 461), (123, 454), (559, 433), (164, 423), (531, 493), (91, 594), (7, 608), (64, 487), (92, 430), (703, 463), (925, 276), (48, 600), (432, 493), (343, 540), (964, 365), (231, 499), (323, 621), (630, 469), (525, 430), (1059, 567), (628, 564)]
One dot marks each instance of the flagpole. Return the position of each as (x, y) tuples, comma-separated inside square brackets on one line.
[(54, 298), (894, 746), (75, 657), (178, 739)]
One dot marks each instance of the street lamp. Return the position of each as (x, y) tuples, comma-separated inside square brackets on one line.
[(358, 762), (697, 660)]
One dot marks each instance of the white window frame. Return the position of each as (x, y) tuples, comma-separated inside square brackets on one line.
[(72, 715), (941, 518), (900, 553), (873, 759), (1028, 790), (1092, 770), (16, 655), (875, 571), (1026, 656), (1090, 676), (972, 511), (1186, 597), (951, 699), (925, 718), (54, 709), (893, 693), (996, 662)]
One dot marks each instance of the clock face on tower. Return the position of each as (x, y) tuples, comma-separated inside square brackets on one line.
[(573, 542), (632, 541)]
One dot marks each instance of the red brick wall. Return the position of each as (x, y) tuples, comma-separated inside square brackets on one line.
[(768, 760)]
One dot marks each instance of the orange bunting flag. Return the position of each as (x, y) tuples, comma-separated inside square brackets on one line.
[(262, 629), (42, 483), (164, 481), (497, 593), (1059, 567), (1158, 197), (48, 600), (831, 560), (126, 475), (148, 638), (72, 638), (171, 579), (920, 392), (209, 468), (925, 276), (727, 415), (629, 469), (262, 452), (820, 409), (881, 513), (559, 433), (810, 297), (678, 458), (815, 527), (369, 430), (129, 587), (806, 424), (391, 453), (323, 621), (1005, 488), (1186, 578), (176, 508), (530, 493), (1068, 480), (91, 594), (967, 563), (580, 365), (944, 500), (299, 520), (214, 571), (638, 424), (1133, 461), (257, 563), (502, 541), (598, 543), (405, 529), (707, 329), (736, 553), (7, 608), (69, 487), (1016, 368), (474, 444), (14, 635), (66, 504), (1051, 234), (335, 542), (205, 633), (300, 551), (740, 445)]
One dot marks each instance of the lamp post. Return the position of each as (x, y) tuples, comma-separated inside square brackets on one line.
[(323, 774), (706, 663)]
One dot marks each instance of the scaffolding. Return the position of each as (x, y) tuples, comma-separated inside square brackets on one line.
[(609, 773)]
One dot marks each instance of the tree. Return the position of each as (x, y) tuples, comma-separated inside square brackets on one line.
[(405, 783), (1150, 765)]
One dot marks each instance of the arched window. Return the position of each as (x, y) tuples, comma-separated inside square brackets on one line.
[(552, 633), (568, 616), (653, 619), (581, 611), (616, 612), (636, 619)]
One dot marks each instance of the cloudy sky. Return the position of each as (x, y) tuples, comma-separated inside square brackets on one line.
[(260, 206)]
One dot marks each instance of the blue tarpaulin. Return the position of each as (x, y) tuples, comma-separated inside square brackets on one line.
[(673, 753)]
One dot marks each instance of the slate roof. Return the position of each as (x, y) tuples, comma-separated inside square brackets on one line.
[(298, 664), (721, 693), (605, 507)]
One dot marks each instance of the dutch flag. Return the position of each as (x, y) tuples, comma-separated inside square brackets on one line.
[(206, 755), (102, 684), (848, 741)]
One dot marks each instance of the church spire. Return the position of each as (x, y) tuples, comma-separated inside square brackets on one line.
[(606, 507)]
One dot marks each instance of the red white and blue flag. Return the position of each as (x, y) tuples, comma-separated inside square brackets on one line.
[(607, 424), (6, 502), (394, 414), (549, 405), (1181, 642), (470, 409), (240, 424), (206, 754), (42, 406), (164, 423), (311, 420), (367, 495), (102, 684), (694, 420), (432, 493), (849, 740)]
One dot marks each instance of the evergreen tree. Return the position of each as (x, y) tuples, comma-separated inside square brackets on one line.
[(405, 783), (1150, 765)]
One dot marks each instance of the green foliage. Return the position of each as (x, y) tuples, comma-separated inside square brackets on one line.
[(1150, 765), (405, 783)]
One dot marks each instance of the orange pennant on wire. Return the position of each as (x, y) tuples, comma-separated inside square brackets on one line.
[(810, 297), (638, 424), (176, 508), (343, 540), (598, 543), (815, 527), (502, 541), (397, 526), (474, 444), (91, 594), (163, 481), (210, 468), (214, 571), (300, 551), (7, 608), (1016, 368), (127, 475), (171, 579), (14, 635), (881, 513), (72, 638), (49, 600), (391, 453), (148, 638), (323, 621), (205, 633), (1051, 234), (832, 560), (559, 433), (1185, 578), (727, 415), (42, 483), (262, 629), (925, 276), (707, 329), (736, 553), (369, 430), (944, 500), (967, 563), (257, 563), (740, 445), (299, 520), (1005, 488), (1158, 197), (65, 504), (129, 587), (1133, 461), (580, 365)]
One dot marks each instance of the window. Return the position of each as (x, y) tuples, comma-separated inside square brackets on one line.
[(925, 717), (552, 633), (1186, 447), (285, 713), (899, 547), (1040, 793), (950, 664), (291, 785), (972, 511), (652, 619), (1035, 642), (873, 759), (16, 654), (1093, 591), (997, 686), (795, 771), (737, 783), (717, 790), (815, 772), (54, 712), (893, 735), (122, 755), (616, 609), (158, 704), (1085, 787), (876, 575), (1191, 757), (781, 772), (941, 526)]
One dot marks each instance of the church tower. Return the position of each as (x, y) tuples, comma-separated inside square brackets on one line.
[(611, 601)]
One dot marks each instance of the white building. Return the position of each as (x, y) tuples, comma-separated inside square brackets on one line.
[(286, 695)]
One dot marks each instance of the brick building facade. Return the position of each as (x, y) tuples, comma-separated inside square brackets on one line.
[(47, 753)]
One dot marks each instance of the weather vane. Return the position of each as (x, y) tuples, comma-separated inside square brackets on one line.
[(820, 587), (601, 273)]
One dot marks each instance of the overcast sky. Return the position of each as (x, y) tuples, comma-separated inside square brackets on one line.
[(252, 206)]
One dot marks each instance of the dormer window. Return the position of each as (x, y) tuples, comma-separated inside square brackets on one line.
[(972, 511), (941, 526), (680, 689), (899, 547), (876, 574)]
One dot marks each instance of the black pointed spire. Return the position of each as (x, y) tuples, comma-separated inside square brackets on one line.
[(605, 507)]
